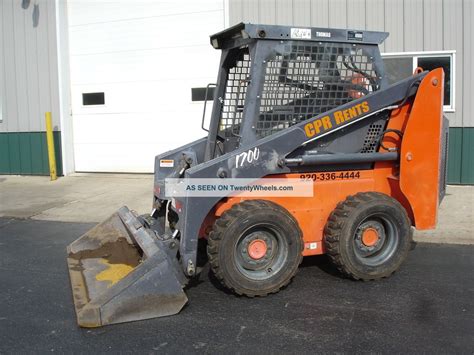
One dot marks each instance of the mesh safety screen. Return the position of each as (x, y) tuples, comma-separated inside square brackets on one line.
[(307, 79), (234, 98)]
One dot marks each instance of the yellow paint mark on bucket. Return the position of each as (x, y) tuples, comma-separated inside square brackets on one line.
[(114, 273)]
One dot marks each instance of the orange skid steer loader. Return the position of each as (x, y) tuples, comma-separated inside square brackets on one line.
[(310, 104)]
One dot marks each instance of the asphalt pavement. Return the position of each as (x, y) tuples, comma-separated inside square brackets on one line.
[(428, 306)]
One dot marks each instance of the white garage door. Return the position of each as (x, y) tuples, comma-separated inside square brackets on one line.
[(144, 56)]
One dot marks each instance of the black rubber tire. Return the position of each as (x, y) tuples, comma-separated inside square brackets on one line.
[(341, 230), (231, 227)]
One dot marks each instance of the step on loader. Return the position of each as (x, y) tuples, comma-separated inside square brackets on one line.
[(312, 104)]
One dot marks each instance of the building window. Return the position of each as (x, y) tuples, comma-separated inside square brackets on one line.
[(399, 66), (93, 98)]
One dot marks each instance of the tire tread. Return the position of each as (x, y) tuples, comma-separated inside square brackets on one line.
[(216, 235), (334, 229)]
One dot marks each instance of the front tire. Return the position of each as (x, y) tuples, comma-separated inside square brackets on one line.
[(368, 236), (255, 248)]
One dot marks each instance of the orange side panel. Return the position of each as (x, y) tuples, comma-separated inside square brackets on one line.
[(421, 150), (387, 174), (312, 213)]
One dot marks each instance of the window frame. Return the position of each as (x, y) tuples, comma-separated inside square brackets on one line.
[(430, 54)]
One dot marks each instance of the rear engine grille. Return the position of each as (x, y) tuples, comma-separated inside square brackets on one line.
[(371, 142)]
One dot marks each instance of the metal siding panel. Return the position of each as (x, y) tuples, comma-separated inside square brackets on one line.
[(37, 152), (338, 14), (30, 60), (235, 11), (31, 71), (451, 116), (58, 153), (53, 63), (24, 70), (45, 158), (302, 13), (284, 12), (394, 25), (433, 25), (5, 156), (356, 13), (250, 11), (454, 156), (11, 112), (25, 153), (19, 23), (375, 17), (413, 31), (44, 76), (453, 39), (467, 71), (267, 12), (320, 13), (467, 163), (14, 145)]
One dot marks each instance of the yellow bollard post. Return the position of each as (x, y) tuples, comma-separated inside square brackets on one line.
[(51, 152)]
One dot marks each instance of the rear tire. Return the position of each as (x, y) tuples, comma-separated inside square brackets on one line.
[(368, 236), (255, 248)]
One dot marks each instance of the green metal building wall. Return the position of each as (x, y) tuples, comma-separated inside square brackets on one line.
[(461, 155), (26, 153), (29, 87)]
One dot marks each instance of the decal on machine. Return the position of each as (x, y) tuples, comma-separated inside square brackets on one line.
[(248, 157), (166, 163), (330, 176), (301, 33), (323, 124), (323, 34)]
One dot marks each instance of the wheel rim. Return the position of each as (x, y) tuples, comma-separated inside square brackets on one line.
[(376, 239), (257, 249), (260, 252)]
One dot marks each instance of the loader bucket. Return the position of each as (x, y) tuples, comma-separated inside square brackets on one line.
[(121, 272)]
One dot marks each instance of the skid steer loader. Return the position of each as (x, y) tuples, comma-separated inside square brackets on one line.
[(311, 104)]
